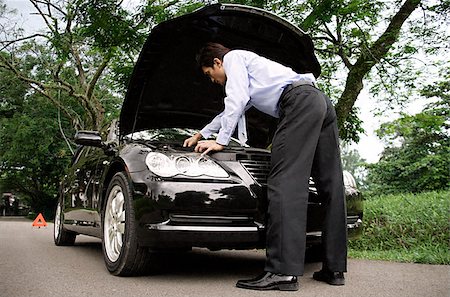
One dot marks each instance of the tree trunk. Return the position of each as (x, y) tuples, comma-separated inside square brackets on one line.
[(369, 58)]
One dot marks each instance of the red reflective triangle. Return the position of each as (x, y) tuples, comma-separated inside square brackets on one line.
[(39, 221)]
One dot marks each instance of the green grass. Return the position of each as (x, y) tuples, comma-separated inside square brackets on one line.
[(405, 228)]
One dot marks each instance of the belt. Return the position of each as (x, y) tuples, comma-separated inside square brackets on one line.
[(303, 82), (297, 83)]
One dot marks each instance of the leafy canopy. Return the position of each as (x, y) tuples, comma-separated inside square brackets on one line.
[(32, 151), (417, 157)]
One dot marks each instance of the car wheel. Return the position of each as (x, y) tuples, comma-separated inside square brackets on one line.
[(122, 253), (61, 236)]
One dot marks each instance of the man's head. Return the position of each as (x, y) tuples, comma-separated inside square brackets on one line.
[(210, 59)]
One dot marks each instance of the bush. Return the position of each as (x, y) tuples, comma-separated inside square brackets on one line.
[(405, 227)]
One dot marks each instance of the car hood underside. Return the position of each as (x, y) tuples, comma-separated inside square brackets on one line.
[(167, 89)]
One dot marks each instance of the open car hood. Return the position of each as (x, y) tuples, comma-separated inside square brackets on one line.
[(167, 89)]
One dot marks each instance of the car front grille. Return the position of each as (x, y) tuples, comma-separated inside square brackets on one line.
[(257, 165)]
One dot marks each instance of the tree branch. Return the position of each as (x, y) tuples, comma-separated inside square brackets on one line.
[(50, 4), (329, 33), (369, 58), (41, 13), (9, 42), (79, 65), (96, 76), (41, 87), (340, 44)]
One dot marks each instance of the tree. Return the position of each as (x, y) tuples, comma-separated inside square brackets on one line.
[(353, 38), (372, 48), (82, 61), (85, 53), (376, 43), (32, 151), (70, 76), (353, 163), (417, 157)]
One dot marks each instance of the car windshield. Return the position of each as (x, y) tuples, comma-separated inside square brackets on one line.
[(169, 135)]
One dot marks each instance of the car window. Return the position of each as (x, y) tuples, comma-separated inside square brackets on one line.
[(82, 151), (77, 154)]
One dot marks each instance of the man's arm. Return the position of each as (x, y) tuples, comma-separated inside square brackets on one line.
[(212, 127), (237, 95), (206, 132)]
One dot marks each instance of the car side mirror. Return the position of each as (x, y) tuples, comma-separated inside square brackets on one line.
[(88, 138)]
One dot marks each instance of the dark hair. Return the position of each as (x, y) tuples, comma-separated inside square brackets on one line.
[(205, 56)]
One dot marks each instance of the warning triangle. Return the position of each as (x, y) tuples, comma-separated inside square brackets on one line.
[(39, 221)]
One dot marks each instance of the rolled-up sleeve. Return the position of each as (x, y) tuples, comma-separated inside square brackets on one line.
[(237, 95)]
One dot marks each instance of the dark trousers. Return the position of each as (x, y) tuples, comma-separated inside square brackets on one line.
[(305, 144)]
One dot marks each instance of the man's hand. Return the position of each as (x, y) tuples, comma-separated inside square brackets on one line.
[(192, 140), (207, 146)]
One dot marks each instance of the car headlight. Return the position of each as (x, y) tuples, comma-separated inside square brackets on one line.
[(187, 165)]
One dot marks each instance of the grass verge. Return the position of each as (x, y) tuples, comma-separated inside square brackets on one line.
[(405, 228)]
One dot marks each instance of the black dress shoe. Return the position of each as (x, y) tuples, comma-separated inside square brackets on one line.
[(270, 281), (330, 277)]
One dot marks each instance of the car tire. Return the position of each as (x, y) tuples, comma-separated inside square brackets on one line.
[(122, 253), (61, 236)]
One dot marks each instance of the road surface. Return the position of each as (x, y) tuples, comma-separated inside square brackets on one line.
[(31, 265)]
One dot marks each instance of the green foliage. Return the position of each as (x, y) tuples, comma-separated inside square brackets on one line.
[(353, 163), (73, 57), (84, 60), (107, 24), (346, 35), (405, 227), (341, 32), (103, 31), (120, 33), (74, 76), (352, 127), (33, 153), (12, 93), (422, 160)]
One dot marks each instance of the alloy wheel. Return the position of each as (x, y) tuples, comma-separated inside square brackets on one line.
[(57, 227), (114, 223)]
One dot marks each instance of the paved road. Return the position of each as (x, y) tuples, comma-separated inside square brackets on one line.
[(31, 265)]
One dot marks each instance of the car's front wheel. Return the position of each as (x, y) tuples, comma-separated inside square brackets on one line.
[(61, 236), (122, 253)]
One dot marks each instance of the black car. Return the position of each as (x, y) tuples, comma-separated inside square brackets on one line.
[(141, 191)]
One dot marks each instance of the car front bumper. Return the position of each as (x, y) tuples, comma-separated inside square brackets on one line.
[(217, 215)]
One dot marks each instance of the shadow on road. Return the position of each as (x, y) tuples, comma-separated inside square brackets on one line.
[(199, 262)]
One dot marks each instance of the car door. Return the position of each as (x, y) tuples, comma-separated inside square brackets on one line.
[(81, 190)]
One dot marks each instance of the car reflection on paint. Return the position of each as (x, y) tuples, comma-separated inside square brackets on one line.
[(139, 190)]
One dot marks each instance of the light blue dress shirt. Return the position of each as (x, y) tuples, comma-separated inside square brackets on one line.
[(252, 80)]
